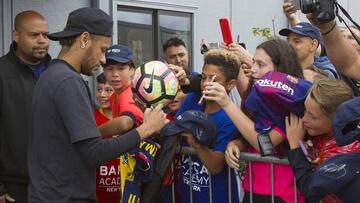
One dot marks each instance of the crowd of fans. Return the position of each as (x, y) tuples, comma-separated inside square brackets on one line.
[(297, 103)]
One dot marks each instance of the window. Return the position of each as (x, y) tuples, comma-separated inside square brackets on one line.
[(145, 31)]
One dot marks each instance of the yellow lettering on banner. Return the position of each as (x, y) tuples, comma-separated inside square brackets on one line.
[(142, 144), (132, 199), (151, 149)]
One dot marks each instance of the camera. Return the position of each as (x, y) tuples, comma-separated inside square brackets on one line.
[(205, 47), (324, 9)]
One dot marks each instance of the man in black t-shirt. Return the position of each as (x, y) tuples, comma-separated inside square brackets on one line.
[(64, 144)]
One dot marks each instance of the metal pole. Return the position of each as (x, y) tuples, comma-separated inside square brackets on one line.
[(229, 183), (210, 188), (173, 182), (295, 190), (190, 179), (272, 182), (250, 173)]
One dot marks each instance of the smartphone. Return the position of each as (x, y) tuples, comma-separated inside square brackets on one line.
[(225, 30), (265, 145), (295, 3), (308, 151)]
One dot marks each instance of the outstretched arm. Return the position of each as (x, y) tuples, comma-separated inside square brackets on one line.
[(290, 13), (243, 123), (117, 126), (340, 52), (96, 150)]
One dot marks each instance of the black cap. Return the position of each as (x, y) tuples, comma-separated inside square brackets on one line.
[(92, 20)]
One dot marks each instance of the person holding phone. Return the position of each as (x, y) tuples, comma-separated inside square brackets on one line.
[(210, 161), (272, 55), (320, 106)]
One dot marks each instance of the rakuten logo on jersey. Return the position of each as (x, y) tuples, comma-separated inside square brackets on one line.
[(275, 84)]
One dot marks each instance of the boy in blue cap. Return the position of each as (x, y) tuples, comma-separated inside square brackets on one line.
[(127, 115), (118, 70)]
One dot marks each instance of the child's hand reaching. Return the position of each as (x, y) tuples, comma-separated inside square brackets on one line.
[(232, 154), (295, 130)]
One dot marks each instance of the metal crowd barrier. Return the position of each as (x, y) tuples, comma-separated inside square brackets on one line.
[(248, 157)]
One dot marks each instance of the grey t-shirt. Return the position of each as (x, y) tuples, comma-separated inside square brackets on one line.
[(63, 117)]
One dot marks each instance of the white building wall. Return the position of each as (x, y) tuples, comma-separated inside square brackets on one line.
[(243, 16)]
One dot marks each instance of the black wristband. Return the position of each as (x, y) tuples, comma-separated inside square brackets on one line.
[(331, 29)]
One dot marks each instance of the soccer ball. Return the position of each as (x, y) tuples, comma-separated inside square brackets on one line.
[(154, 83)]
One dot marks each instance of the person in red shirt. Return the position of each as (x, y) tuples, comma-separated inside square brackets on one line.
[(126, 114), (107, 175), (321, 103), (103, 92), (118, 70)]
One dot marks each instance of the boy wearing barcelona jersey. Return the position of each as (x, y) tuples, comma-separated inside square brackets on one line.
[(108, 174)]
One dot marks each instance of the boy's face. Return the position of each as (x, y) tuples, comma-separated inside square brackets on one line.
[(103, 93), (315, 121), (209, 70), (175, 104), (118, 75)]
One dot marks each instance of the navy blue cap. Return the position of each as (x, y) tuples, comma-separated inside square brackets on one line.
[(119, 53), (199, 124), (339, 175), (92, 20), (304, 29), (346, 122)]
